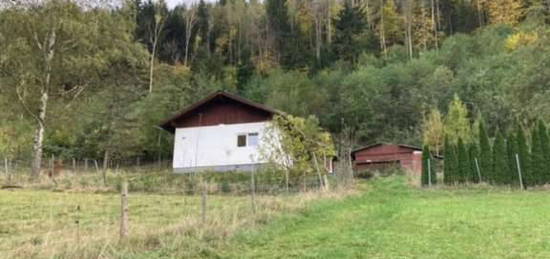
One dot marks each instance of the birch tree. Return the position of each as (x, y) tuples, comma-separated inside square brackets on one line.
[(190, 22), (55, 52)]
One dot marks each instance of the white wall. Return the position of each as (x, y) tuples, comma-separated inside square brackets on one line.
[(216, 146)]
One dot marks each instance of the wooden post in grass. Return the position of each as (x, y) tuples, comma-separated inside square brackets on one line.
[(124, 210), (74, 166), (203, 200), (253, 191), (85, 164), (477, 168), (96, 165), (52, 160), (77, 222), (6, 170), (429, 173), (519, 172)]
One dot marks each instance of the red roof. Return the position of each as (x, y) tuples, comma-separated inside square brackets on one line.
[(169, 123), (380, 144)]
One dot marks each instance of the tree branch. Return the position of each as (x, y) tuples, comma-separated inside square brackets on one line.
[(25, 106)]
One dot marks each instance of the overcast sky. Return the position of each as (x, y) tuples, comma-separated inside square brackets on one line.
[(172, 3)]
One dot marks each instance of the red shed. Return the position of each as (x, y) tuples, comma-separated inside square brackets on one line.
[(379, 156)]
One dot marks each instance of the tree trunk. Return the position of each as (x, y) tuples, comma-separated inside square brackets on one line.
[(434, 24), (382, 30), (318, 39), (316, 162), (479, 13), (39, 135), (152, 65), (409, 29)]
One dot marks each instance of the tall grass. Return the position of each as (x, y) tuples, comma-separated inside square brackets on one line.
[(40, 219)]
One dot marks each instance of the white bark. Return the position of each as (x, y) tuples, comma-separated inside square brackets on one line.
[(190, 21)]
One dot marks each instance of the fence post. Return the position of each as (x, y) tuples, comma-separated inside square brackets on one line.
[(74, 166), (52, 161), (519, 172), (253, 191), (96, 165), (6, 166), (478, 171), (7, 169), (85, 164), (77, 222), (124, 210), (429, 173), (203, 200)]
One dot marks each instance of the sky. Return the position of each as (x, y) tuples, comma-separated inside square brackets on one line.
[(172, 3)]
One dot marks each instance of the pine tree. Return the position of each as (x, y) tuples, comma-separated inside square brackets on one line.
[(350, 28), (545, 148), (473, 156), (279, 26), (500, 165), (537, 157), (511, 150), (524, 158), (449, 163), (485, 153), (463, 162), (428, 162)]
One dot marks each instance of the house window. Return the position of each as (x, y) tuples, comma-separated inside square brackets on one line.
[(250, 140), (253, 139), (241, 141)]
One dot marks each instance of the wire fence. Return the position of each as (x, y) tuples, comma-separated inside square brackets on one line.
[(138, 200)]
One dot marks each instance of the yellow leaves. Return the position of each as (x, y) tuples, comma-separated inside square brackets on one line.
[(457, 124), (520, 39), (302, 139), (433, 130), (505, 11)]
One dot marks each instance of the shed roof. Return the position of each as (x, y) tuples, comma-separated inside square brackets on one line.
[(168, 124), (380, 144)]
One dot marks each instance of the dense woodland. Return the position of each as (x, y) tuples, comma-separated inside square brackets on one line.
[(93, 79)]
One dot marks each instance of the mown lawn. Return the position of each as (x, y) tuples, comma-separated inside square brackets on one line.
[(393, 220)]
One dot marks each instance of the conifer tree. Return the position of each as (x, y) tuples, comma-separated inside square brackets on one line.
[(485, 153), (449, 163), (428, 175), (537, 158), (545, 149), (463, 162), (500, 166), (350, 28), (511, 151), (279, 25), (524, 157), (473, 156)]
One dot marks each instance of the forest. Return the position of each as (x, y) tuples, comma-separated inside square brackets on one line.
[(93, 79)]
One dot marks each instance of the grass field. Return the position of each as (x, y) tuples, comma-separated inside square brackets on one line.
[(386, 219), (392, 220), (42, 223)]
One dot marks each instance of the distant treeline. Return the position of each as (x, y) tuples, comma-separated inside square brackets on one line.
[(94, 82)]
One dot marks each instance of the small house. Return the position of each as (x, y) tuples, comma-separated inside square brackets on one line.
[(382, 156), (222, 132)]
